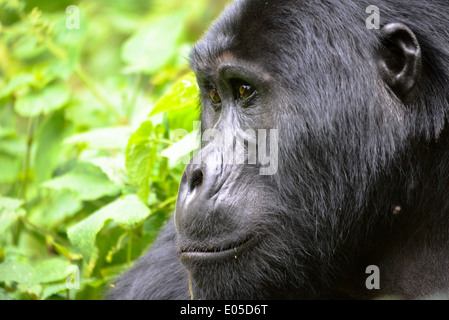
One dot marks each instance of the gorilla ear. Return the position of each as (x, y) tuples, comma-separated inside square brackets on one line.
[(399, 59)]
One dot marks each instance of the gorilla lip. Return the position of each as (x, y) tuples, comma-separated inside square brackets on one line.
[(217, 252)]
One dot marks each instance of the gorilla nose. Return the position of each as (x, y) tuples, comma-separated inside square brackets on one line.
[(197, 187)]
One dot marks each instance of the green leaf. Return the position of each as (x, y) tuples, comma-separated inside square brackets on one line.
[(20, 272), (182, 148), (50, 270), (44, 271), (55, 209), (9, 167), (127, 212), (154, 45), (5, 295), (27, 47), (13, 146), (52, 289), (141, 158), (49, 146), (183, 94), (46, 100), (104, 138), (113, 167), (16, 83), (87, 181), (63, 69), (10, 211), (32, 292)]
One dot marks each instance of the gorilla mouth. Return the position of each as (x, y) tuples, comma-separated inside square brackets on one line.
[(228, 250)]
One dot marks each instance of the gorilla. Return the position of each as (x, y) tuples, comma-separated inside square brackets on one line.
[(361, 179)]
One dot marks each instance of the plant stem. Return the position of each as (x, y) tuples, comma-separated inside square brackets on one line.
[(161, 205), (26, 167), (90, 84), (84, 77), (42, 230), (130, 246)]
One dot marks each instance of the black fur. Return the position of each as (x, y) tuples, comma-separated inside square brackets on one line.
[(363, 174)]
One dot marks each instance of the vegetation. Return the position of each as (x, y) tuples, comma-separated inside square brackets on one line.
[(94, 96)]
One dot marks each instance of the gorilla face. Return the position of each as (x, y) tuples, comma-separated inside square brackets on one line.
[(325, 151), (228, 213), (255, 235)]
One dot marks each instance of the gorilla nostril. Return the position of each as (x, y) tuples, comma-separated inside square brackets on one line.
[(197, 180)]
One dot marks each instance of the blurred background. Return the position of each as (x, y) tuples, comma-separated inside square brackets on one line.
[(94, 99)]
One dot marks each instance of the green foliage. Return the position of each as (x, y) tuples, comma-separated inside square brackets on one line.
[(128, 212), (164, 34), (179, 96), (42, 101), (10, 211), (90, 126)]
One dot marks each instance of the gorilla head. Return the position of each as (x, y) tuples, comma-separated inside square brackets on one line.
[(357, 121)]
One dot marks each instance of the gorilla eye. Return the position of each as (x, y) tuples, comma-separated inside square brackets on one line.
[(242, 90), (246, 91), (214, 96)]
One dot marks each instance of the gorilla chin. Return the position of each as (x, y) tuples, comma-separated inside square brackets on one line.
[(359, 143)]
